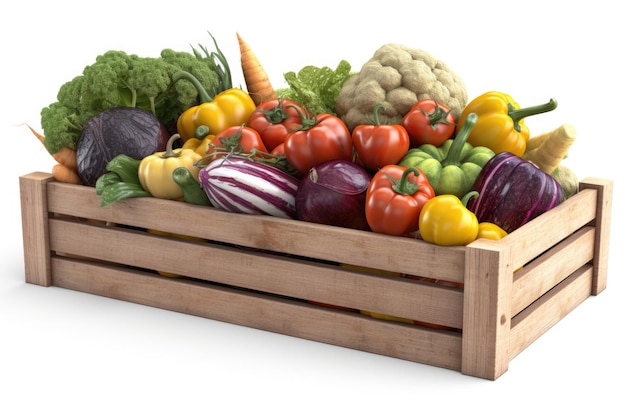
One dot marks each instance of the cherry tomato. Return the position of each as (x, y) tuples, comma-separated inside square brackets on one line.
[(237, 139), (429, 122), (275, 119)]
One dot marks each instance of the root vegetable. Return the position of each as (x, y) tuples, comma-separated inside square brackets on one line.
[(548, 149), (257, 81), (65, 170)]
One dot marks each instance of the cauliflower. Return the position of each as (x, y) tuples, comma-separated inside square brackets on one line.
[(398, 76)]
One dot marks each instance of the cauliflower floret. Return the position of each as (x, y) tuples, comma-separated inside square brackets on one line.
[(398, 76)]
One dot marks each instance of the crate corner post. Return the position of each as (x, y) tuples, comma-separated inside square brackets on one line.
[(36, 242), (604, 188), (487, 309)]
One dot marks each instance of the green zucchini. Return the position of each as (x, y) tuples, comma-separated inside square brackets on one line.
[(192, 191)]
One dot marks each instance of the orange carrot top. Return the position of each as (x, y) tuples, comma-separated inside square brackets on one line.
[(258, 83)]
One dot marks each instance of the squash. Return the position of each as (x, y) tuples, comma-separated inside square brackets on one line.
[(568, 180)]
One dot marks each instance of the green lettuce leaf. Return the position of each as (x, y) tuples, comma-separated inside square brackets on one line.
[(316, 88)]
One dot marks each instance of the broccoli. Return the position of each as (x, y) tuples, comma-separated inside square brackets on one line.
[(117, 78)]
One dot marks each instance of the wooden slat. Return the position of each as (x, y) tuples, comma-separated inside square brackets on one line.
[(538, 235), (233, 266), (282, 316), (33, 200), (300, 238), (603, 230), (536, 278), (487, 306), (548, 310), (278, 263)]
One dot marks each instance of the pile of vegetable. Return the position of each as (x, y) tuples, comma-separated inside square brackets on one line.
[(395, 147)]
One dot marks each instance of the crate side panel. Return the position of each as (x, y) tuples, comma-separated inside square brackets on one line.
[(262, 312), (543, 273), (343, 245), (603, 229), (540, 234), (538, 318), (34, 211), (256, 270)]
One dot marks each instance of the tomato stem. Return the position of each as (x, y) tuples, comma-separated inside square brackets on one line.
[(439, 115), (376, 113), (275, 115), (307, 121), (404, 185)]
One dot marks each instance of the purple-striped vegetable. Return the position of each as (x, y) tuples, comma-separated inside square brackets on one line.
[(512, 191), (242, 185)]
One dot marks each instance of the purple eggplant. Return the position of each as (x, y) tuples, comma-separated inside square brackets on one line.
[(241, 185), (513, 191)]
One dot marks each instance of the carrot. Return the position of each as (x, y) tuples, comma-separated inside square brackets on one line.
[(66, 156), (258, 83), (63, 173), (548, 149)]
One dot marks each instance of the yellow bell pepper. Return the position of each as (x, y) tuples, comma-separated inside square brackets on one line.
[(231, 107), (155, 171), (488, 230), (200, 142), (446, 221), (500, 126)]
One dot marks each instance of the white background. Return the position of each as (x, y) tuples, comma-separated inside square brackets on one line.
[(74, 354)]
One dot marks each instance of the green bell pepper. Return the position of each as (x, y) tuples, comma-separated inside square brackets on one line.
[(452, 167)]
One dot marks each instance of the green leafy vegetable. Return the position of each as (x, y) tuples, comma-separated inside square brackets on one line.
[(316, 88), (120, 79)]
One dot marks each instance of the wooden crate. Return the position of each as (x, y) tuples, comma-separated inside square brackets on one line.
[(279, 275)]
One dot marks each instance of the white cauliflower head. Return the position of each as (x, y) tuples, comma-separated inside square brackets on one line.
[(397, 77)]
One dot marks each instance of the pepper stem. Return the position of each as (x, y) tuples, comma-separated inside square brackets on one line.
[(518, 114), (201, 132), (454, 152), (466, 198), (169, 148)]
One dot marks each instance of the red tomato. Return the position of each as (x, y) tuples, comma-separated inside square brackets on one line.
[(395, 198), (326, 138), (279, 150), (429, 122), (275, 119), (378, 144), (238, 139)]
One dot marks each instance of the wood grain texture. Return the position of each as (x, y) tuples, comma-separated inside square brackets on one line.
[(33, 201), (603, 229), (266, 272)]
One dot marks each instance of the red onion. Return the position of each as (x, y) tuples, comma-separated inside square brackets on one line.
[(333, 193)]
